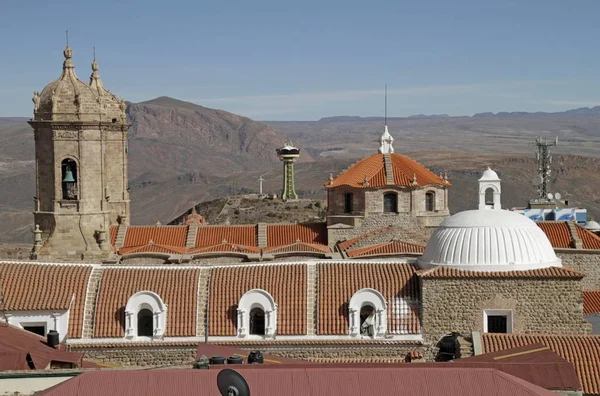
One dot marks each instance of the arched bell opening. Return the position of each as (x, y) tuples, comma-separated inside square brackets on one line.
[(69, 179)]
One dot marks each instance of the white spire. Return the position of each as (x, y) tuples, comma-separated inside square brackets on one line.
[(386, 139), (385, 142)]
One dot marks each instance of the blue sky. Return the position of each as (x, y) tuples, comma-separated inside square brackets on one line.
[(302, 60)]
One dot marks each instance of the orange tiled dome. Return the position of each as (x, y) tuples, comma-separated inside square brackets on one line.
[(371, 172)]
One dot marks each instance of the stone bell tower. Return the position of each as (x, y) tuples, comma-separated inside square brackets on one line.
[(80, 133)]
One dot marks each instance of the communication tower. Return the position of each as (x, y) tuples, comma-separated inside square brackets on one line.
[(544, 161), (288, 154)]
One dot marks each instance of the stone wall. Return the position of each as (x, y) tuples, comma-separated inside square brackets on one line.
[(545, 306), (141, 357), (336, 200), (177, 356), (586, 262)]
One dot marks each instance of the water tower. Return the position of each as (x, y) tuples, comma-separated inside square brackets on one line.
[(288, 154)]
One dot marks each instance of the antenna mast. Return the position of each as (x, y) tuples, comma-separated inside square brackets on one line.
[(544, 159), (385, 104)]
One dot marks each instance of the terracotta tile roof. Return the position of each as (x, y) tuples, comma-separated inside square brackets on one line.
[(373, 170), (591, 302), (152, 248), (552, 272), (338, 282), (388, 248), (176, 287), (351, 242), (224, 247), (37, 287), (286, 234), (160, 235), (245, 235), (558, 233), (582, 351), (299, 247), (286, 283), (589, 239), (113, 234)]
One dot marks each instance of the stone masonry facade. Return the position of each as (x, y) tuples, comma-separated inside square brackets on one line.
[(585, 261), (543, 306)]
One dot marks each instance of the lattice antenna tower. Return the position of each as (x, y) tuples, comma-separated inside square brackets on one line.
[(544, 162)]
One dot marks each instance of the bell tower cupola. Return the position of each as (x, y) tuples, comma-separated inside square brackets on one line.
[(80, 133)]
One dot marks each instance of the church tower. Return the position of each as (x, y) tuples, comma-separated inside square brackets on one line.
[(80, 133)]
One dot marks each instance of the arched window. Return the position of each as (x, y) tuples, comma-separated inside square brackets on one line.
[(257, 321), (489, 197), (145, 327), (367, 313), (367, 321), (430, 201), (257, 314), (145, 316), (390, 203), (69, 179), (348, 202)]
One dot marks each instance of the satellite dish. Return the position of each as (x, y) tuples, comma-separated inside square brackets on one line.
[(550, 196), (557, 196), (537, 180), (231, 383)]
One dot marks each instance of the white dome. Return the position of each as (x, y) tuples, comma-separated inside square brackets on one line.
[(489, 240), (592, 226), (489, 175)]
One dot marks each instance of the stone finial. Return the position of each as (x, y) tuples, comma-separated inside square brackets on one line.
[(297, 240), (95, 80), (330, 179), (158, 223), (150, 242), (68, 65), (36, 101), (446, 177), (414, 180), (366, 182), (68, 53), (224, 241)]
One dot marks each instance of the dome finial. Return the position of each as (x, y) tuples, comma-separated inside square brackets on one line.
[(95, 81)]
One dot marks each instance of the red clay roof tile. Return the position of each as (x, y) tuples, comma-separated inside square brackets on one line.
[(38, 287), (591, 302), (113, 234), (299, 247), (582, 351), (558, 233), (177, 288), (347, 244), (339, 282), (286, 283), (372, 169), (388, 249), (552, 272), (589, 239), (224, 247), (160, 235), (287, 234), (245, 235), (152, 248)]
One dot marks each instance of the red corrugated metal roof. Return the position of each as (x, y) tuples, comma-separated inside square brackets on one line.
[(411, 380), (582, 351), (16, 344), (591, 302)]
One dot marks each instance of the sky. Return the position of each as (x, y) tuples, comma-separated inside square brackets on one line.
[(303, 60)]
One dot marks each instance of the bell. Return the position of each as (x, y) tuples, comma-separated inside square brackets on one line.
[(68, 176)]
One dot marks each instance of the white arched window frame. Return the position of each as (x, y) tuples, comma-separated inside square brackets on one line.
[(483, 188), (256, 298), (372, 298), (145, 300)]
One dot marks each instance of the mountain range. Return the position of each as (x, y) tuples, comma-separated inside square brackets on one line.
[(181, 154)]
